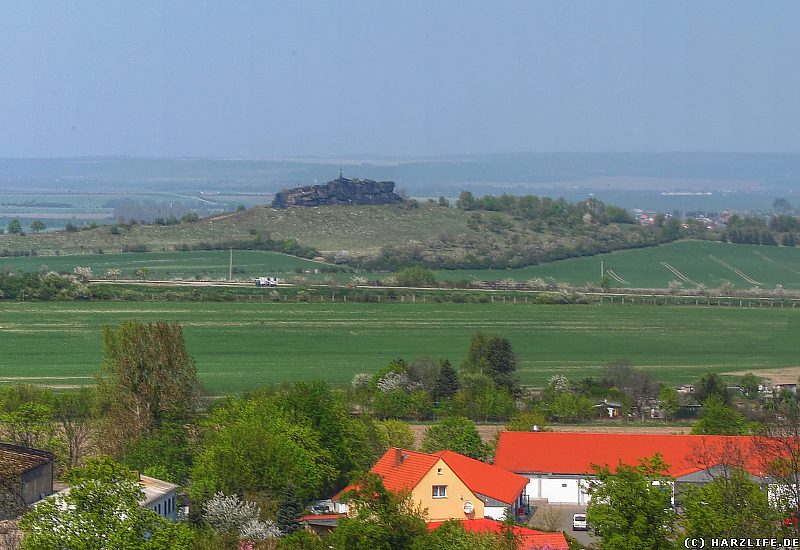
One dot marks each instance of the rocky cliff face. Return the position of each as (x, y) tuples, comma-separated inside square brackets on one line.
[(339, 191)]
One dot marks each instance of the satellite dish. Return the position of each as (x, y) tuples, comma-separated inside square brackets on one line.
[(468, 507)]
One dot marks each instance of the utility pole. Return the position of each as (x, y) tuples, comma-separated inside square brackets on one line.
[(230, 264), (602, 270)]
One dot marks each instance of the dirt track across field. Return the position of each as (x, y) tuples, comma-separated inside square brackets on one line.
[(788, 375), (489, 431)]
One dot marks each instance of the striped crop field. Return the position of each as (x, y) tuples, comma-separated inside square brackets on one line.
[(688, 262), (242, 346)]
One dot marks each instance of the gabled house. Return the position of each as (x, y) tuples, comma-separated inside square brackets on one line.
[(26, 476), (559, 465), (449, 485)]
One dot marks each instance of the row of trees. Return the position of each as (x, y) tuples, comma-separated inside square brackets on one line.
[(780, 229), (552, 212), (484, 388), (14, 226)]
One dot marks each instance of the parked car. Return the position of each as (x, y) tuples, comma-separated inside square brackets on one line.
[(579, 522)]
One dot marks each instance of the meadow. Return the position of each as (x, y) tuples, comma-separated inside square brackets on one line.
[(690, 262), (204, 264), (242, 346)]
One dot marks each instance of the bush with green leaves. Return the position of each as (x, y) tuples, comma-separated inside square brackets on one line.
[(456, 434)]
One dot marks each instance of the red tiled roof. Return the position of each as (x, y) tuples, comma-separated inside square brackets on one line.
[(400, 469), (529, 539), (575, 453), (485, 479)]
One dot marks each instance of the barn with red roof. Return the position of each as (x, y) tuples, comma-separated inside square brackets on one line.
[(559, 465)]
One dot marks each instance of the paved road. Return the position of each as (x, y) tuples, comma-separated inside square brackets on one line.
[(558, 517)]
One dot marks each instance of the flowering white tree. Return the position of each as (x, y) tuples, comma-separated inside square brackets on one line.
[(396, 381), (84, 273), (230, 514)]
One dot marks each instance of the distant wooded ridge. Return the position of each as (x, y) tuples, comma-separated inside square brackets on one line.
[(752, 172)]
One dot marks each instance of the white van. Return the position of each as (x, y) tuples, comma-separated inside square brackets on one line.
[(579, 523)]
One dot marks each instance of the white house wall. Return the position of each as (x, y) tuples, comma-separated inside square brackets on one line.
[(165, 506), (495, 512), (561, 489)]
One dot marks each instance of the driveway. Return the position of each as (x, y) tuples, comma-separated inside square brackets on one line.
[(558, 517)]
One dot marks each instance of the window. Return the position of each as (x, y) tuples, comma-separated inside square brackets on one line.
[(440, 491), (439, 471)]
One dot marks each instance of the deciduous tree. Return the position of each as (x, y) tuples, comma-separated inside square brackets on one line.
[(252, 445), (395, 433), (668, 401), (14, 227), (631, 508), (76, 414), (148, 378), (101, 511), (492, 355), (711, 384), (719, 419), (456, 434), (731, 506)]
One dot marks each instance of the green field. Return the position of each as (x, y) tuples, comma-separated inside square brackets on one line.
[(206, 264), (692, 262), (243, 346)]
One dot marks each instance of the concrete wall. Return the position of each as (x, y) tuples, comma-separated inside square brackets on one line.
[(37, 483)]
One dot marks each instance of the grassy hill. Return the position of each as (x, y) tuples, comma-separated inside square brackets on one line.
[(690, 262), (428, 233)]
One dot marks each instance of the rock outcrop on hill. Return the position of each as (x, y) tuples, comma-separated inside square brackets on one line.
[(339, 191)]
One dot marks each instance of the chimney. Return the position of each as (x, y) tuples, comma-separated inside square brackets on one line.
[(398, 456)]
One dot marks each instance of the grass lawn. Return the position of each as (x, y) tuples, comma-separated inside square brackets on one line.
[(241, 346)]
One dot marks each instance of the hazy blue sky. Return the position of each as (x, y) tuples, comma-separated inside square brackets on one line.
[(265, 80)]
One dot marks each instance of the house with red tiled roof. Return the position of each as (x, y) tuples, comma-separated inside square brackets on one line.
[(559, 465), (449, 485), (528, 539)]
